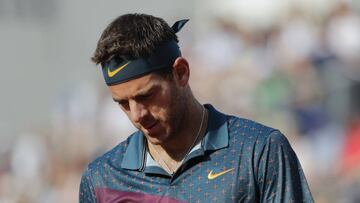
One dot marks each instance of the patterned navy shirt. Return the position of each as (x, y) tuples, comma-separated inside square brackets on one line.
[(238, 160)]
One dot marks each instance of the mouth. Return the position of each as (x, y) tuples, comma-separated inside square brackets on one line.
[(150, 127)]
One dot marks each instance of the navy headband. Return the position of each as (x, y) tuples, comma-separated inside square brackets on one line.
[(118, 70)]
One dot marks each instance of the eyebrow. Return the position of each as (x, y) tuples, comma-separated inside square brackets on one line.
[(138, 94)]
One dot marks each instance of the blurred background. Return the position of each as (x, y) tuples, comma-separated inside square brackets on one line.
[(292, 65)]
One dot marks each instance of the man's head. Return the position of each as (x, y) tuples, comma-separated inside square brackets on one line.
[(137, 44), (155, 104)]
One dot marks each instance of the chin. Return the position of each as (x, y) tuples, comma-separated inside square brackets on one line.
[(157, 134), (156, 139)]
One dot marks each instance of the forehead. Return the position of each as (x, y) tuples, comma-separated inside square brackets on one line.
[(136, 86)]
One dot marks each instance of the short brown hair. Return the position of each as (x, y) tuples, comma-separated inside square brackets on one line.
[(132, 36)]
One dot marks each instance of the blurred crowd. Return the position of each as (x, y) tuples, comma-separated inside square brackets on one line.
[(300, 75)]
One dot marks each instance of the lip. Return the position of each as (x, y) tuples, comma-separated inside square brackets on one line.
[(149, 127)]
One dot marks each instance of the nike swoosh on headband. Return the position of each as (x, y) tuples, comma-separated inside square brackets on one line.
[(114, 72)]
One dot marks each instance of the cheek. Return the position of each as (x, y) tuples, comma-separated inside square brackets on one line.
[(161, 113), (162, 105), (174, 109)]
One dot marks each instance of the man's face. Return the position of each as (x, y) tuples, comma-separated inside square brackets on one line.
[(153, 104)]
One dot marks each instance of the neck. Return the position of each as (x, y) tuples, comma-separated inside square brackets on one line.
[(188, 134)]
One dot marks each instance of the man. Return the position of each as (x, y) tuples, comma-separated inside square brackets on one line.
[(183, 151)]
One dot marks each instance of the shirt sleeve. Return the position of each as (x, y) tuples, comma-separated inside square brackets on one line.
[(86, 193), (280, 176)]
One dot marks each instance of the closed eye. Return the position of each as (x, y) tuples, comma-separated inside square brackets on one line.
[(144, 97)]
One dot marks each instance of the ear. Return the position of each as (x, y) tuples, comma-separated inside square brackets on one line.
[(181, 71)]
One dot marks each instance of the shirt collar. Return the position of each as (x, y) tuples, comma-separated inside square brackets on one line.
[(135, 153), (216, 138)]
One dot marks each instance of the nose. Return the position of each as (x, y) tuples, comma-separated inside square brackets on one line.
[(137, 111)]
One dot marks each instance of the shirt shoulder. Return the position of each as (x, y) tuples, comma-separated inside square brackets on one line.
[(92, 175), (111, 158), (248, 129), (254, 136)]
